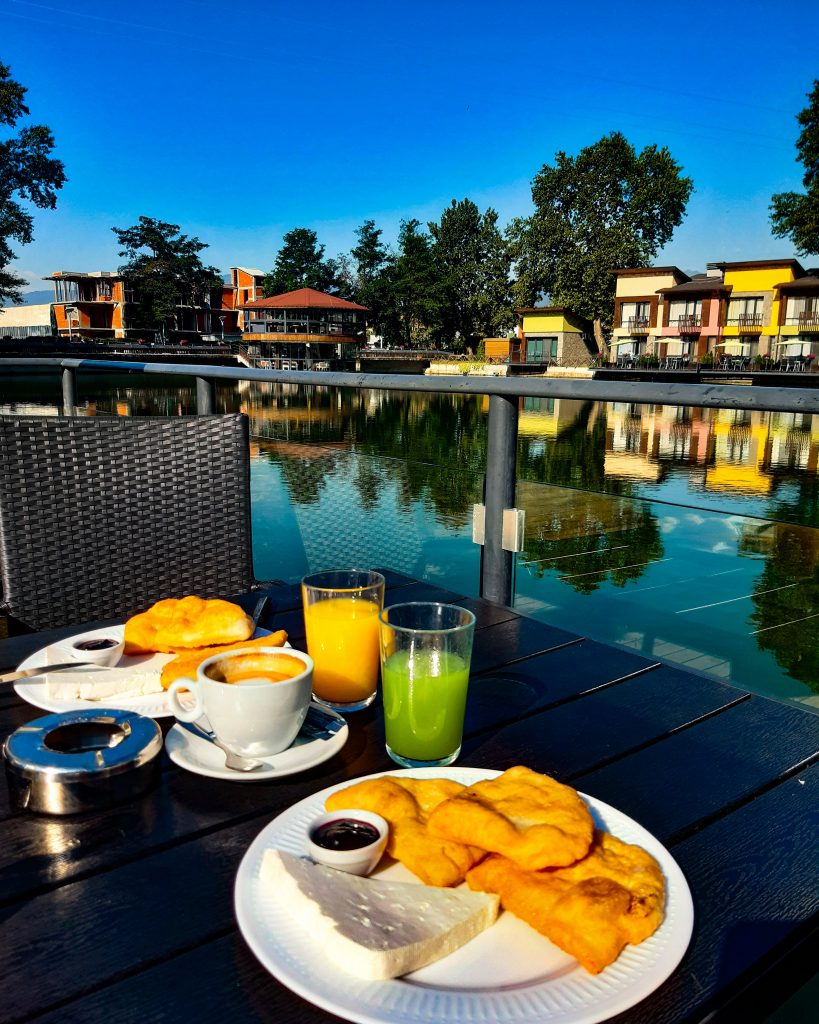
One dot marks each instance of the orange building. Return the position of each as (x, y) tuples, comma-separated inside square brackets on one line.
[(90, 305), (304, 327)]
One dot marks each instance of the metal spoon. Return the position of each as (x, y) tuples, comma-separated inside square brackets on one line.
[(233, 760)]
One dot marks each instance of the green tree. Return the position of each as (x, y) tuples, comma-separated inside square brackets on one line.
[(795, 215), (475, 267), (300, 263), (372, 260), (165, 272), (413, 293), (607, 207), (27, 173)]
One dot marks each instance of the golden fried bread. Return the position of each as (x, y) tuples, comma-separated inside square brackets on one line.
[(174, 625), (529, 818), (185, 665), (405, 803), (613, 896)]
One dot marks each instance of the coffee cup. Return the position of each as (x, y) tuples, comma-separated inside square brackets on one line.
[(255, 698)]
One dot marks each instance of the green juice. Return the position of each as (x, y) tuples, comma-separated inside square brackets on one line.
[(424, 703)]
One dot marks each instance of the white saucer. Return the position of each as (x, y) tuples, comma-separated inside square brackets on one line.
[(198, 755)]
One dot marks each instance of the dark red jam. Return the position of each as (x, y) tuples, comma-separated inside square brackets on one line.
[(345, 834), (101, 643)]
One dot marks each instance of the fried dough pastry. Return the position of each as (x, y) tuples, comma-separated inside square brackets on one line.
[(529, 818), (405, 803), (174, 625), (614, 896), (185, 665)]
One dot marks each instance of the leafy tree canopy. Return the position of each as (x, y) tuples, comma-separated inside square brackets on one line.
[(415, 295), (364, 275), (795, 215), (165, 271), (27, 173), (300, 263), (607, 207), (475, 265)]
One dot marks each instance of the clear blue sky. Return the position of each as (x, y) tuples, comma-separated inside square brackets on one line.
[(241, 120)]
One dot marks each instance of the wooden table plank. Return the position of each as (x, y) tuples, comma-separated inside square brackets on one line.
[(767, 847)]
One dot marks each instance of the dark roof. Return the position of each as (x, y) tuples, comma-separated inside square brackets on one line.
[(551, 311), (303, 298), (808, 283), (701, 284), (648, 271), (759, 264)]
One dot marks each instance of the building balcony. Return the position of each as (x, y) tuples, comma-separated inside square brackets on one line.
[(689, 324), (747, 322), (808, 321), (638, 325)]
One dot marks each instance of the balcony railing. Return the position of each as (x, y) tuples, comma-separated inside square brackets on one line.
[(809, 321), (689, 323), (749, 321), (638, 324)]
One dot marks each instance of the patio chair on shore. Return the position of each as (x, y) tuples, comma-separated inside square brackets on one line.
[(101, 517)]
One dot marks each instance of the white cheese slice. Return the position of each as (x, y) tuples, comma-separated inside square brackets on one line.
[(372, 927), (102, 684)]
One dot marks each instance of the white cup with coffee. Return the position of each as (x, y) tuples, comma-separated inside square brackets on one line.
[(255, 698)]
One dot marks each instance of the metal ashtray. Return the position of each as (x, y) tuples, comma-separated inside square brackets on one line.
[(81, 760)]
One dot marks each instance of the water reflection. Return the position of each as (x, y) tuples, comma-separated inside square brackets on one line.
[(689, 533)]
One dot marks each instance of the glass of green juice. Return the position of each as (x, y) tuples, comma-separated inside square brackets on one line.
[(426, 649)]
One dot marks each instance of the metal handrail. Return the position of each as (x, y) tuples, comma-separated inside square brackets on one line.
[(499, 495)]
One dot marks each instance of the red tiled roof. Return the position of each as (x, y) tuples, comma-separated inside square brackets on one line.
[(303, 298)]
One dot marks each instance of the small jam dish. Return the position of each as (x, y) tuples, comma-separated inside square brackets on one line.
[(97, 648), (350, 840)]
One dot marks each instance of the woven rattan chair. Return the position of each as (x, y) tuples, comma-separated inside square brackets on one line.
[(101, 517)]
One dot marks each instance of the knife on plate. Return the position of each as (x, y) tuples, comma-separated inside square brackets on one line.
[(41, 670)]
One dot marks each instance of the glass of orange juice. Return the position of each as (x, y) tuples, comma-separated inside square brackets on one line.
[(341, 609)]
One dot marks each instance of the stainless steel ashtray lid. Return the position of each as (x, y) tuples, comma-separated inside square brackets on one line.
[(81, 760)]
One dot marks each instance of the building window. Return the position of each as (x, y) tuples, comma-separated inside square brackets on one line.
[(685, 313), (635, 315), (746, 311)]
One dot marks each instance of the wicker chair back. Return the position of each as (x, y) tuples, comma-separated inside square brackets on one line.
[(100, 517)]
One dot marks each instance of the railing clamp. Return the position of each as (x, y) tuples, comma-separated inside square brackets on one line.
[(514, 525)]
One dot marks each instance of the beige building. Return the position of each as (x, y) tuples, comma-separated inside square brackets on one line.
[(26, 322), (639, 309)]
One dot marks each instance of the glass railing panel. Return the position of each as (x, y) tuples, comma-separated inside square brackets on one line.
[(689, 535)]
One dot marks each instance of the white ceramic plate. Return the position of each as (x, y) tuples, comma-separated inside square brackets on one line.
[(154, 705), (196, 754), (509, 973)]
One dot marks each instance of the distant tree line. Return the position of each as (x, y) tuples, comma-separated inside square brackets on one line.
[(448, 283)]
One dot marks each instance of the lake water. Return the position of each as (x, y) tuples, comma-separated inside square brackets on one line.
[(690, 535)]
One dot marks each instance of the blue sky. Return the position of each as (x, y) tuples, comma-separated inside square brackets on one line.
[(239, 121)]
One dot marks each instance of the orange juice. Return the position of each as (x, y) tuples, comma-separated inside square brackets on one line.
[(342, 640)]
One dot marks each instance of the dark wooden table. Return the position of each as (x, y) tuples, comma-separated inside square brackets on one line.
[(127, 915)]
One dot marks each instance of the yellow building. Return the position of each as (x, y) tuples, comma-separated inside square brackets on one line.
[(552, 334), (752, 317), (639, 308)]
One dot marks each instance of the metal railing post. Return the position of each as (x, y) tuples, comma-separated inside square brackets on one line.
[(69, 390), (205, 396), (501, 457)]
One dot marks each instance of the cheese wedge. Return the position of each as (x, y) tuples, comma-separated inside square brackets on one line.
[(102, 684), (375, 928)]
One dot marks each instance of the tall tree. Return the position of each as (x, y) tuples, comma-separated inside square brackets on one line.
[(371, 260), (300, 263), (165, 271), (795, 215), (413, 291), (475, 264), (607, 207), (27, 173)]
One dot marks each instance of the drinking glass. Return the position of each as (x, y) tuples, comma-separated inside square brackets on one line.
[(426, 649), (341, 608)]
